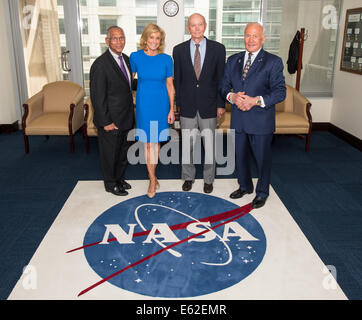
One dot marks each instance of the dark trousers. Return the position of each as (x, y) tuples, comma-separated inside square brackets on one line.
[(113, 147), (260, 146)]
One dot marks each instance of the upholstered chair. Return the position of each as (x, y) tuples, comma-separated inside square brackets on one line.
[(292, 116), (56, 110)]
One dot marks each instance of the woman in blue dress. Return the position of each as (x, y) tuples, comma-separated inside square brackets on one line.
[(155, 97)]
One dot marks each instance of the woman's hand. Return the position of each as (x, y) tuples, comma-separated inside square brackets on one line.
[(171, 117)]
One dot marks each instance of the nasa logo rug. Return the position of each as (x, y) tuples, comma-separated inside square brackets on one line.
[(176, 245)]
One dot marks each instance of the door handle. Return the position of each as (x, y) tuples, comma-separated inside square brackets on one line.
[(64, 60)]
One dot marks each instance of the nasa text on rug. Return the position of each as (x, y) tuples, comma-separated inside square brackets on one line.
[(177, 245)]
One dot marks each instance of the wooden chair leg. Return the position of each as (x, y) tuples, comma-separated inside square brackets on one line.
[(71, 143), (26, 143), (86, 144), (307, 142)]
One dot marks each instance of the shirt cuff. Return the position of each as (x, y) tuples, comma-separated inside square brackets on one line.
[(229, 96), (262, 102)]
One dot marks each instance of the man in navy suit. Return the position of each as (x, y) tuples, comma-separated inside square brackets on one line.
[(253, 83), (198, 69)]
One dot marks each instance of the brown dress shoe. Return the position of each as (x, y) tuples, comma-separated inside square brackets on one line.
[(187, 186), (208, 187)]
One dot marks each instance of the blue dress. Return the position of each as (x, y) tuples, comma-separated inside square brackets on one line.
[(152, 101)]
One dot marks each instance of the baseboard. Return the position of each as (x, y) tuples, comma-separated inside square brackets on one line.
[(9, 128), (338, 132)]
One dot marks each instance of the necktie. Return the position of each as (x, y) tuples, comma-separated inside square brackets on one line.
[(197, 62), (247, 66), (123, 68)]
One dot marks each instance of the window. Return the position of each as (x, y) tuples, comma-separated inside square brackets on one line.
[(61, 26), (107, 3), (281, 19), (146, 3), (141, 22), (105, 23), (84, 26)]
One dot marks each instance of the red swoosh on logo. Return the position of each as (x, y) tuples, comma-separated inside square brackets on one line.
[(238, 213)]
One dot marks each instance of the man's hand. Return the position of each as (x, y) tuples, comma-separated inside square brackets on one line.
[(110, 127), (247, 102), (243, 101), (236, 99), (220, 112)]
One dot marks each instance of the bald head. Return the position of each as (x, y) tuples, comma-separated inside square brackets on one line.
[(197, 16), (254, 36), (196, 25), (255, 25)]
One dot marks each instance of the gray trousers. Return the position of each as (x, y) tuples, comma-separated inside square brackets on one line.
[(193, 131)]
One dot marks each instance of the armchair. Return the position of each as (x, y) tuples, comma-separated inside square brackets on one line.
[(292, 116), (56, 110)]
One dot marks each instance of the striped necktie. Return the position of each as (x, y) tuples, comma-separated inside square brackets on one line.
[(247, 66)]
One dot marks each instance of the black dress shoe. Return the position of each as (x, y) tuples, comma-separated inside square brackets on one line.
[(239, 193), (125, 185), (117, 190), (258, 202), (187, 186), (208, 187)]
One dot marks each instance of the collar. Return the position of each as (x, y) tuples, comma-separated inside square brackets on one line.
[(255, 54), (202, 42), (115, 56)]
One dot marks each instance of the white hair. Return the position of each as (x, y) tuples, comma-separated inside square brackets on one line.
[(256, 24)]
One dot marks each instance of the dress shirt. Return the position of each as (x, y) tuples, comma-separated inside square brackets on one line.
[(116, 57)]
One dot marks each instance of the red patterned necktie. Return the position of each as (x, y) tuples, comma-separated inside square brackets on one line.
[(247, 66)]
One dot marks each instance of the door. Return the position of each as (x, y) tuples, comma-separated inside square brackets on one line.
[(50, 42)]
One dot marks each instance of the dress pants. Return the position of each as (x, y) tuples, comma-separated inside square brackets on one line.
[(113, 147), (260, 145), (189, 169)]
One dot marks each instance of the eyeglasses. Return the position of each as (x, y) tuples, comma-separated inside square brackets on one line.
[(114, 39)]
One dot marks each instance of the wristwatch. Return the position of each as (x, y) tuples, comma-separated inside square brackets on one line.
[(258, 101)]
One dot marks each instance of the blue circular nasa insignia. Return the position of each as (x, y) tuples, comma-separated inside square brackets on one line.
[(169, 247)]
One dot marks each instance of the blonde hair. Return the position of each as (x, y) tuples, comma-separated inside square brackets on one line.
[(147, 31)]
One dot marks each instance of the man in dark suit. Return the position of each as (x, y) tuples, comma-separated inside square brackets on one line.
[(111, 96), (253, 82), (198, 68)]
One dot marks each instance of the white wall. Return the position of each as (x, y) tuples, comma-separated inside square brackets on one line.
[(9, 111), (173, 26), (347, 103)]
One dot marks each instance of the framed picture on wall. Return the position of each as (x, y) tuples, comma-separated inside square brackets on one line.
[(351, 59)]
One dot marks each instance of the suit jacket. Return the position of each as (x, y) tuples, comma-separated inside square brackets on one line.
[(201, 95), (110, 93), (265, 78)]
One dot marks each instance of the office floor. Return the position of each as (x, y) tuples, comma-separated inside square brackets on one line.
[(322, 190)]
